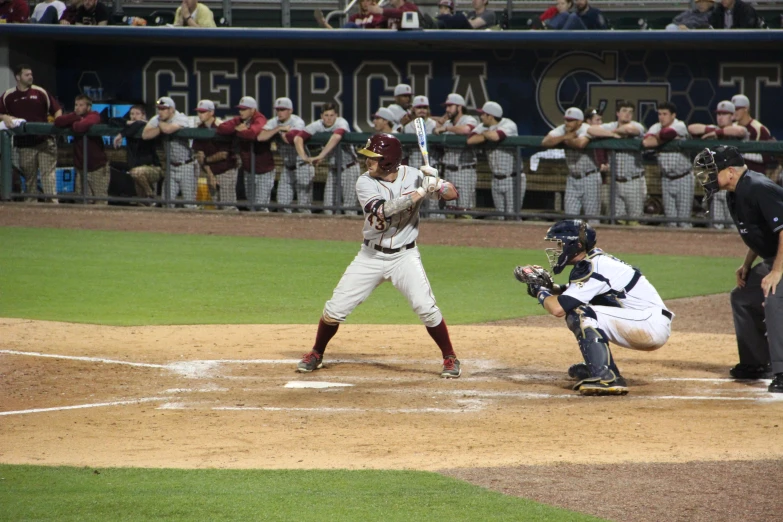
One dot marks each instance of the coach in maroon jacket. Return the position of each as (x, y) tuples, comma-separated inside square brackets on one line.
[(247, 126), (80, 121)]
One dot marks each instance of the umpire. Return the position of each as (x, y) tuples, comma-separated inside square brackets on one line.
[(756, 206)]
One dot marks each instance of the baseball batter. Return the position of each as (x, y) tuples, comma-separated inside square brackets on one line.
[(583, 187), (606, 300), (459, 162), (676, 180), (297, 176), (390, 195), (503, 162), (337, 126)]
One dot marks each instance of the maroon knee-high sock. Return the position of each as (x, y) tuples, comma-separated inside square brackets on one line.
[(324, 335), (440, 334)]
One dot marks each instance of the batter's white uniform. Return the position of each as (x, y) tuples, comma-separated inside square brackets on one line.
[(677, 183), (388, 253), (504, 166), (414, 158), (460, 166), (583, 187), (297, 175), (627, 307), (350, 167), (631, 188)]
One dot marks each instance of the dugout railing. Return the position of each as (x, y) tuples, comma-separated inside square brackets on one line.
[(535, 180)]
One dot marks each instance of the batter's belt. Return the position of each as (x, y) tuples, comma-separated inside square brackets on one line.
[(385, 250)]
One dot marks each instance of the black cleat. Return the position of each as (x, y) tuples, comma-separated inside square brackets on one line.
[(744, 371), (776, 386)]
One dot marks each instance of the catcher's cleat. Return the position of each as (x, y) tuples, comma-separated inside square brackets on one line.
[(310, 362), (776, 386), (597, 386), (744, 371), (579, 371), (451, 368)]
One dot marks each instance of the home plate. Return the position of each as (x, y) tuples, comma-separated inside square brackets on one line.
[(315, 384)]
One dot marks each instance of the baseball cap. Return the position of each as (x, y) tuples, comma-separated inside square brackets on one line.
[(421, 101), (284, 103), (493, 109), (727, 156), (403, 89), (446, 3), (165, 102), (725, 107), (205, 106), (740, 101), (247, 102), (455, 99), (384, 113), (574, 114)]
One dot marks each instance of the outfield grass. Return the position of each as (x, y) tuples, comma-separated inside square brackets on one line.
[(127, 494), (135, 278)]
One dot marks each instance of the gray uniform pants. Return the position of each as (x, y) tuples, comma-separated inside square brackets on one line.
[(677, 199), (503, 193), (184, 179), (584, 193), (630, 196), (297, 180), (348, 179), (258, 188), (758, 322), (719, 208), (464, 179)]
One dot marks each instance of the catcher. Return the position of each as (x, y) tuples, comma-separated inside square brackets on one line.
[(605, 300)]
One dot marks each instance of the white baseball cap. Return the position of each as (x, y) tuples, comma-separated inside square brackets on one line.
[(421, 101), (493, 109), (725, 107), (403, 89), (740, 101), (573, 113), (165, 102), (284, 103), (384, 113), (455, 99), (205, 106), (247, 102)]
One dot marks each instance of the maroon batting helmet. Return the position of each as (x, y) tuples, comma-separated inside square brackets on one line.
[(386, 149)]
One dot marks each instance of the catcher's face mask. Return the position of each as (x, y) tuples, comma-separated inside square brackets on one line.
[(705, 168), (570, 238)]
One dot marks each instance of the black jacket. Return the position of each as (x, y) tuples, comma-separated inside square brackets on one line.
[(744, 16), (140, 151)]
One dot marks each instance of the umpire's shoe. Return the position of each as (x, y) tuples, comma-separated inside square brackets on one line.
[(310, 361), (776, 386), (451, 368), (751, 371), (613, 385), (579, 371)]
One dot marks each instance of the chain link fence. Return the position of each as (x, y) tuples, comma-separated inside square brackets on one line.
[(513, 180)]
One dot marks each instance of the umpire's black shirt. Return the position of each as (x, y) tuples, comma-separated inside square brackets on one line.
[(756, 206)]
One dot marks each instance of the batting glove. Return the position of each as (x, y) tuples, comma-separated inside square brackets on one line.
[(429, 171)]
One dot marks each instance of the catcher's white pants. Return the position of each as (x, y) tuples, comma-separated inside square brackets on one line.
[(369, 269), (637, 329)]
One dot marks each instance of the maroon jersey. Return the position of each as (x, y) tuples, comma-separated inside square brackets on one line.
[(367, 21), (212, 147), (394, 16), (96, 158), (247, 142), (757, 132), (15, 11), (34, 105)]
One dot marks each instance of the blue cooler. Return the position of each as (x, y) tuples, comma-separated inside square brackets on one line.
[(66, 180)]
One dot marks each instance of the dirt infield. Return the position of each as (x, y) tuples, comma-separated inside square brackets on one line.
[(686, 444)]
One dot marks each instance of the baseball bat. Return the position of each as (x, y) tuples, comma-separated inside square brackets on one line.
[(421, 137)]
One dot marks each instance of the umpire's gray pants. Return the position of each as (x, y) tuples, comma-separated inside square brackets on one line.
[(258, 188), (758, 322), (584, 193), (678, 199)]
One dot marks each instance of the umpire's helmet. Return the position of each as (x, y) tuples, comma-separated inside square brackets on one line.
[(573, 236), (386, 148), (709, 162)]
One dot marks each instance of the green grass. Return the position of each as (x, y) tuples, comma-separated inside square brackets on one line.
[(115, 494), (130, 278)]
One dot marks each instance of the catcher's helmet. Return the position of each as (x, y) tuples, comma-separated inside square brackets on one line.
[(709, 162), (386, 148), (573, 236)]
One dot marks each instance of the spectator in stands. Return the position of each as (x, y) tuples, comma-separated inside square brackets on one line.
[(48, 12), (757, 131), (192, 13), (216, 158), (555, 17), (14, 11), (393, 15), (585, 17), (364, 19), (142, 155), (445, 7), (734, 14), (479, 18), (69, 15), (383, 121), (96, 164), (258, 164), (401, 108), (90, 12), (696, 18)]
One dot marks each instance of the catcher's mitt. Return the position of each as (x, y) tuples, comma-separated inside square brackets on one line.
[(535, 277)]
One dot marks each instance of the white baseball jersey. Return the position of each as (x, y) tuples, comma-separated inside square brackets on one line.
[(460, 156), (287, 152), (673, 164), (502, 161), (180, 151), (340, 127), (629, 163), (414, 154), (403, 228), (398, 111), (579, 162)]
